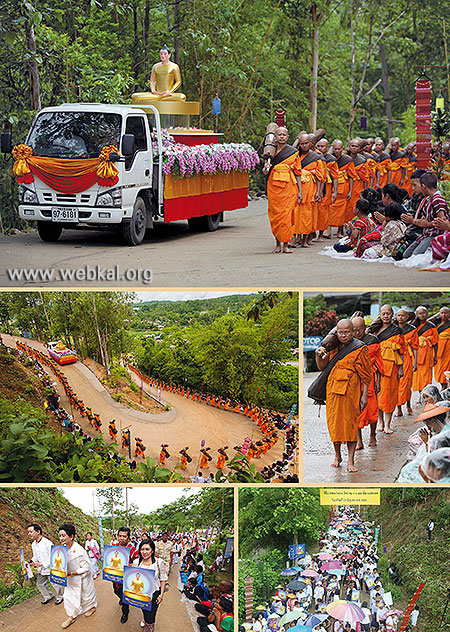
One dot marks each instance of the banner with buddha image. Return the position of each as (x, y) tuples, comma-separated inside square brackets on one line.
[(58, 564), (138, 585), (115, 558)]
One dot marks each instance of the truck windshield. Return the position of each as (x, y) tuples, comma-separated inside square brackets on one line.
[(74, 134)]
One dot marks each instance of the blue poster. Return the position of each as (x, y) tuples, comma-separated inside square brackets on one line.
[(229, 548), (138, 585), (58, 564), (297, 551), (115, 558)]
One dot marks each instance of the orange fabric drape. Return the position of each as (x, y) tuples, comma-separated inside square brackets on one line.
[(63, 174), (204, 183)]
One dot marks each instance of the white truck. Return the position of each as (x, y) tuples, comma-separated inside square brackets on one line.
[(81, 130)]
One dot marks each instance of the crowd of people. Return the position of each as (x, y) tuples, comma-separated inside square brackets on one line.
[(158, 551), (374, 195), (369, 372), (344, 572)]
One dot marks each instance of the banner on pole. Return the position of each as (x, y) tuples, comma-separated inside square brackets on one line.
[(297, 551), (410, 608), (423, 124), (248, 585)]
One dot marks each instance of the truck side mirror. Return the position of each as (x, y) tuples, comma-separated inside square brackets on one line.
[(6, 142), (128, 143)]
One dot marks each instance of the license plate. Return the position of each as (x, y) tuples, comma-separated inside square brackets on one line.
[(64, 214)]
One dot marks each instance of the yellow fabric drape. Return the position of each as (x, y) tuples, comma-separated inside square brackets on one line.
[(201, 184)]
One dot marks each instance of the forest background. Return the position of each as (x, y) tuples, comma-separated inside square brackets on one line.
[(323, 61)]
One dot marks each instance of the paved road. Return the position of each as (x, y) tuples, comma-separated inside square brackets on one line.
[(31, 616), (187, 423), (237, 255), (379, 464)]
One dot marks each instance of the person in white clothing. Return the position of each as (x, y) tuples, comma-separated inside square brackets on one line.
[(93, 551), (79, 594), (147, 559), (41, 548)]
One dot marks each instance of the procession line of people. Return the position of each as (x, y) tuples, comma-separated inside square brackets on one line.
[(367, 372)]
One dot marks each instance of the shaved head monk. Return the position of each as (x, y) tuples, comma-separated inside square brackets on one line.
[(345, 378), (284, 190), (443, 353)]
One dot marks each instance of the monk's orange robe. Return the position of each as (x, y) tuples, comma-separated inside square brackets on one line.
[(324, 206), (443, 354), (346, 170), (320, 177), (383, 163), (370, 413), (282, 192), (392, 349), (411, 166), (371, 167), (343, 393), (411, 342), (221, 461), (203, 461), (396, 166), (305, 214), (425, 357), (183, 462), (359, 184)]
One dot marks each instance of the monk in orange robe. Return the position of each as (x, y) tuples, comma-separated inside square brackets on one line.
[(443, 351), (370, 161), (398, 162), (284, 190), (360, 181), (205, 458), (346, 375), (411, 166), (369, 416), (330, 191), (409, 362), (346, 177), (222, 458), (427, 352), (383, 161), (313, 177), (392, 346), (164, 454)]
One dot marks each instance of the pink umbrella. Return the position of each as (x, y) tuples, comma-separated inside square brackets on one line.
[(309, 572), (343, 548), (348, 556), (331, 565), (391, 613), (345, 611), (325, 556)]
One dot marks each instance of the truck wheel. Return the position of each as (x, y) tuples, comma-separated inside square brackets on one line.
[(206, 223), (49, 231), (133, 232)]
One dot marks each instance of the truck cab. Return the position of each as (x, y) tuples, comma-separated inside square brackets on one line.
[(80, 131)]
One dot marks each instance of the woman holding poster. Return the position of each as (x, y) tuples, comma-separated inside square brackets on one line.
[(148, 561), (79, 594)]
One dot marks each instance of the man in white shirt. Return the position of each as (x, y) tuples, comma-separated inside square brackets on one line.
[(164, 550), (93, 551), (430, 528), (41, 548)]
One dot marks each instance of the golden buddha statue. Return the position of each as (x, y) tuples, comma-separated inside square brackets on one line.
[(164, 81)]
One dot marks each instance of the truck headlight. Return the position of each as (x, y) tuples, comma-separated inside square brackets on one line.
[(27, 196), (110, 198)]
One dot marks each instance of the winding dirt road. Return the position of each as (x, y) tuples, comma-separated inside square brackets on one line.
[(187, 423)]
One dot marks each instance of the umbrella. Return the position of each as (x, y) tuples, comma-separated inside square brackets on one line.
[(339, 572), (391, 613), (296, 585), (315, 619), (333, 532), (343, 548), (288, 572), (300, 628), (274, 615), (330, 565), (348, 556), (292, 615), (345, 611), (310, 572), (325, 556)]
